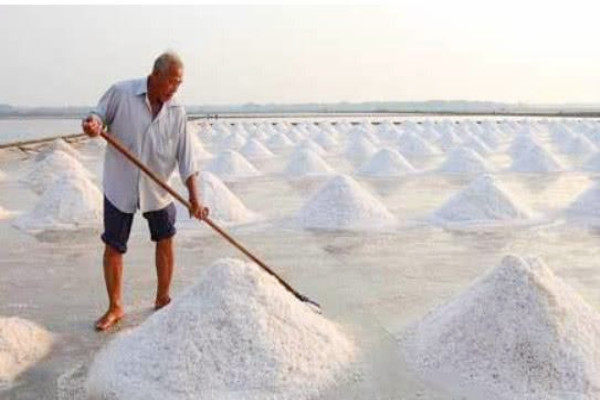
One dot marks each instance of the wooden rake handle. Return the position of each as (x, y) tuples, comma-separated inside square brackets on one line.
[(131, 157)]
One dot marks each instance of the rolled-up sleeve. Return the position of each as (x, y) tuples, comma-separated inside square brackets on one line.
[(185, 153), (107, 106)]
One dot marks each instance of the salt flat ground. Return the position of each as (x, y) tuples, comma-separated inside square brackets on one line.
[(373, 283)]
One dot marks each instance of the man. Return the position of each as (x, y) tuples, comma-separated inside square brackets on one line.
[(146, 118)]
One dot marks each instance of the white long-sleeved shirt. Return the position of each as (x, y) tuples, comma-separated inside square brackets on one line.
[(160, 143)]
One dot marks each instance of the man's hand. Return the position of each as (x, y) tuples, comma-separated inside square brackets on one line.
[(91, 126), (197, 210)]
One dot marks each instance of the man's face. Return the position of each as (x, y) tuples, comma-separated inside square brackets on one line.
[(168, 82)]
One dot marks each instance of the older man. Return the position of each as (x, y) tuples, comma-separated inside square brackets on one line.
[(147, 119)]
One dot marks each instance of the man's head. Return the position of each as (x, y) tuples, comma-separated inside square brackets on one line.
[(167, 75)]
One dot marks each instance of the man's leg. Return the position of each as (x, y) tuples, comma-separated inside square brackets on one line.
[(113, 277), (162, 231), (165, 261), (117, 226)]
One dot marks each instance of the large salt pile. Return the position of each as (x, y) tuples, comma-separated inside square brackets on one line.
[(386, 162), (51, 168), (305, 162), (230, 165), (342, 203), (522, 145), (326, 140), (518, 333), (22, 344), (536, 160), (71, 203), (311, 145), (587, 204), (253, 149), (464, 160), (58, 145), (223, 204), (482, 201), (236, 334), (234, 141)]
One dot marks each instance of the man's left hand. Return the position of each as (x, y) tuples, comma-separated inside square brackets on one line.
[(197, 210)]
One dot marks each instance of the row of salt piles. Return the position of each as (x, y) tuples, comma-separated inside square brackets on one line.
[(236, 334)]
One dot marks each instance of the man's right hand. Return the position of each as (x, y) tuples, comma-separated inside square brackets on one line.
[(92, 126)]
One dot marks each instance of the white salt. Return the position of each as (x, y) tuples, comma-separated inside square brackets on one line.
[(536, 160), (360, 149), (311, 145), (484, 200), (234, 141), (198, 150), (58, 145), (593, 163), (236, 334), (387, 162), (253, 149), (51, 168), (278, 141), (22, 344), (230, 165), (342, 203), (305, 162), (517, 333), (579, 144), (587, 204), (71, 203), (223, 204), (326, 140), (411, 144), (464, 160)]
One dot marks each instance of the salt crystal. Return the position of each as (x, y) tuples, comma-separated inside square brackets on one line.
[(51, 168)]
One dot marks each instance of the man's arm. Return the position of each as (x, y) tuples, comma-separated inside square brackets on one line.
[(197, 210)]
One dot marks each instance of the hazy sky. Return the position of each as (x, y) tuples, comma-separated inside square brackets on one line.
[(508, 50)]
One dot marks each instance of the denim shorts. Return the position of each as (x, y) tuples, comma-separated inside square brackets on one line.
[(117, 225)]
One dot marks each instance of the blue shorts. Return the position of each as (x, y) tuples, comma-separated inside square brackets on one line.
[(117, 225)]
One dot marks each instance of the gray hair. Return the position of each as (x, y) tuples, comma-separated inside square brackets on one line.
[(165, 60)]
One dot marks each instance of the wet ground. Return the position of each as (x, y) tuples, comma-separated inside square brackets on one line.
[(373, 283)]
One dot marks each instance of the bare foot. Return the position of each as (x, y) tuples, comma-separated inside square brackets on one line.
[(109, 319), (161, 302)]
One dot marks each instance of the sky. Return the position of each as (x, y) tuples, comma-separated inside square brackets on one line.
[(527, 51)]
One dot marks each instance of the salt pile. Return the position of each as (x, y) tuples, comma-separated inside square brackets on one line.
[(536, 160), (223, 204), (578, 145), (231, 165), (517, 333), (464, 160), (360, 149), (236, 334), (311, 145), (198, 149), (587, 204), (22, 344), (306, 162), (482, 201), (593, 163), (253, 149), (411, 144), (522, 145), (326, 140), (387, 162), (71, 203), (58, 145), (342, 203), (278, 141), (51, 168)]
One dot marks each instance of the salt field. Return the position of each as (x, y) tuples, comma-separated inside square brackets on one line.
[(453, 258)]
